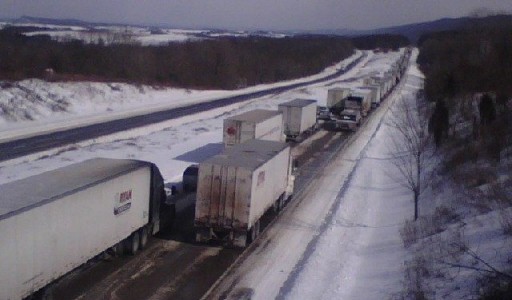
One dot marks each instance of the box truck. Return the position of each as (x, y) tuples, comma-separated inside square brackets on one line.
[(255, 124), (235, 188), (375, 94), (299, 118), (359, 99), (54, 222), (335, 99), (350, 119)]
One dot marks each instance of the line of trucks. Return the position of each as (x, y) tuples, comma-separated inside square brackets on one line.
[(56, 221), (347, 106), (252, 175)]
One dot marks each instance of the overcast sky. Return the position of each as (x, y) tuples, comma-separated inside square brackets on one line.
[(254, 14)]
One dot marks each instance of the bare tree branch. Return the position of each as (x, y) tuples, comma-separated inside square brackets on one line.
[(409, 147), (466, 250)]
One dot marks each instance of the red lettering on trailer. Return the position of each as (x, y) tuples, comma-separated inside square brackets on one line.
[(231, 130), (125, 196)]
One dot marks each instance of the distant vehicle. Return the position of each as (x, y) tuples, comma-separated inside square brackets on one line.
[(323, 113), (375, 94), (255, 124), (299, 118), (238, 186), (359, 100), (54, 222), (336, 98), (190, 178), (350, 119)]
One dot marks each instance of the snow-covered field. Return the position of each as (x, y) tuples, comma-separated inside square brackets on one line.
[(131, 34)]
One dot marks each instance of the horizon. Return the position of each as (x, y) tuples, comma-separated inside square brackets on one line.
[(287, 15), (44, 20)]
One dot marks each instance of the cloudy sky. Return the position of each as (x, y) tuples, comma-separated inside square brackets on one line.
[(254, 14)]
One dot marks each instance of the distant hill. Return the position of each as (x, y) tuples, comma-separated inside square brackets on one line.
[(415, 30), (62, 22), (49, 21), (411, 31)]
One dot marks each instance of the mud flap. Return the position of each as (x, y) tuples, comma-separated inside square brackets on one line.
[(203, 235), (240, 239)]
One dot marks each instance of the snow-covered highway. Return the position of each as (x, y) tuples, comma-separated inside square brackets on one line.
[(285, 253)]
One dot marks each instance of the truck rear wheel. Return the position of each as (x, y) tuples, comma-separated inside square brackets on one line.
[(119, 249), (203, 235), (257, 228), (251, 236), (279, 204), (133, 243), (275, 207), (253, 233), (144, 236)]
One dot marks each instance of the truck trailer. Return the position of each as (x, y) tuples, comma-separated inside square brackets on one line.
[(376, 94), (350, 119), (235, 188), (54, 222), (255, 124), (299, 118), (336, 98), (359, 99)]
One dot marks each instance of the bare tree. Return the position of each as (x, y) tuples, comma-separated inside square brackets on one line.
[(411, 144)]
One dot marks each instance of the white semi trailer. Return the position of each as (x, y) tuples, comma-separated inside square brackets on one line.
[(236, 187), (359, 99), (350, 119), (56, 221), (335, 99), (376, 94), (299, 118), (255, 124)]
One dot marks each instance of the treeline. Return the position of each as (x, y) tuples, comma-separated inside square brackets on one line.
[(468, 78), (381, 41), (467, 74), (459, 63), (224, 63)]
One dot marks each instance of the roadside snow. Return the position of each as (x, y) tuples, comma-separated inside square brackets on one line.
[(360, 255)]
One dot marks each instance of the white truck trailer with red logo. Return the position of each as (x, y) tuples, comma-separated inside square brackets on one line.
[(255, 124), (54, 222)]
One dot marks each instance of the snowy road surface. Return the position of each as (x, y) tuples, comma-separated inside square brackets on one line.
[(339, 239)]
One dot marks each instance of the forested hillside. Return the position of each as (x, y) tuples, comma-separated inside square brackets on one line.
[(469, 70), (224, 63), (467, 82)]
